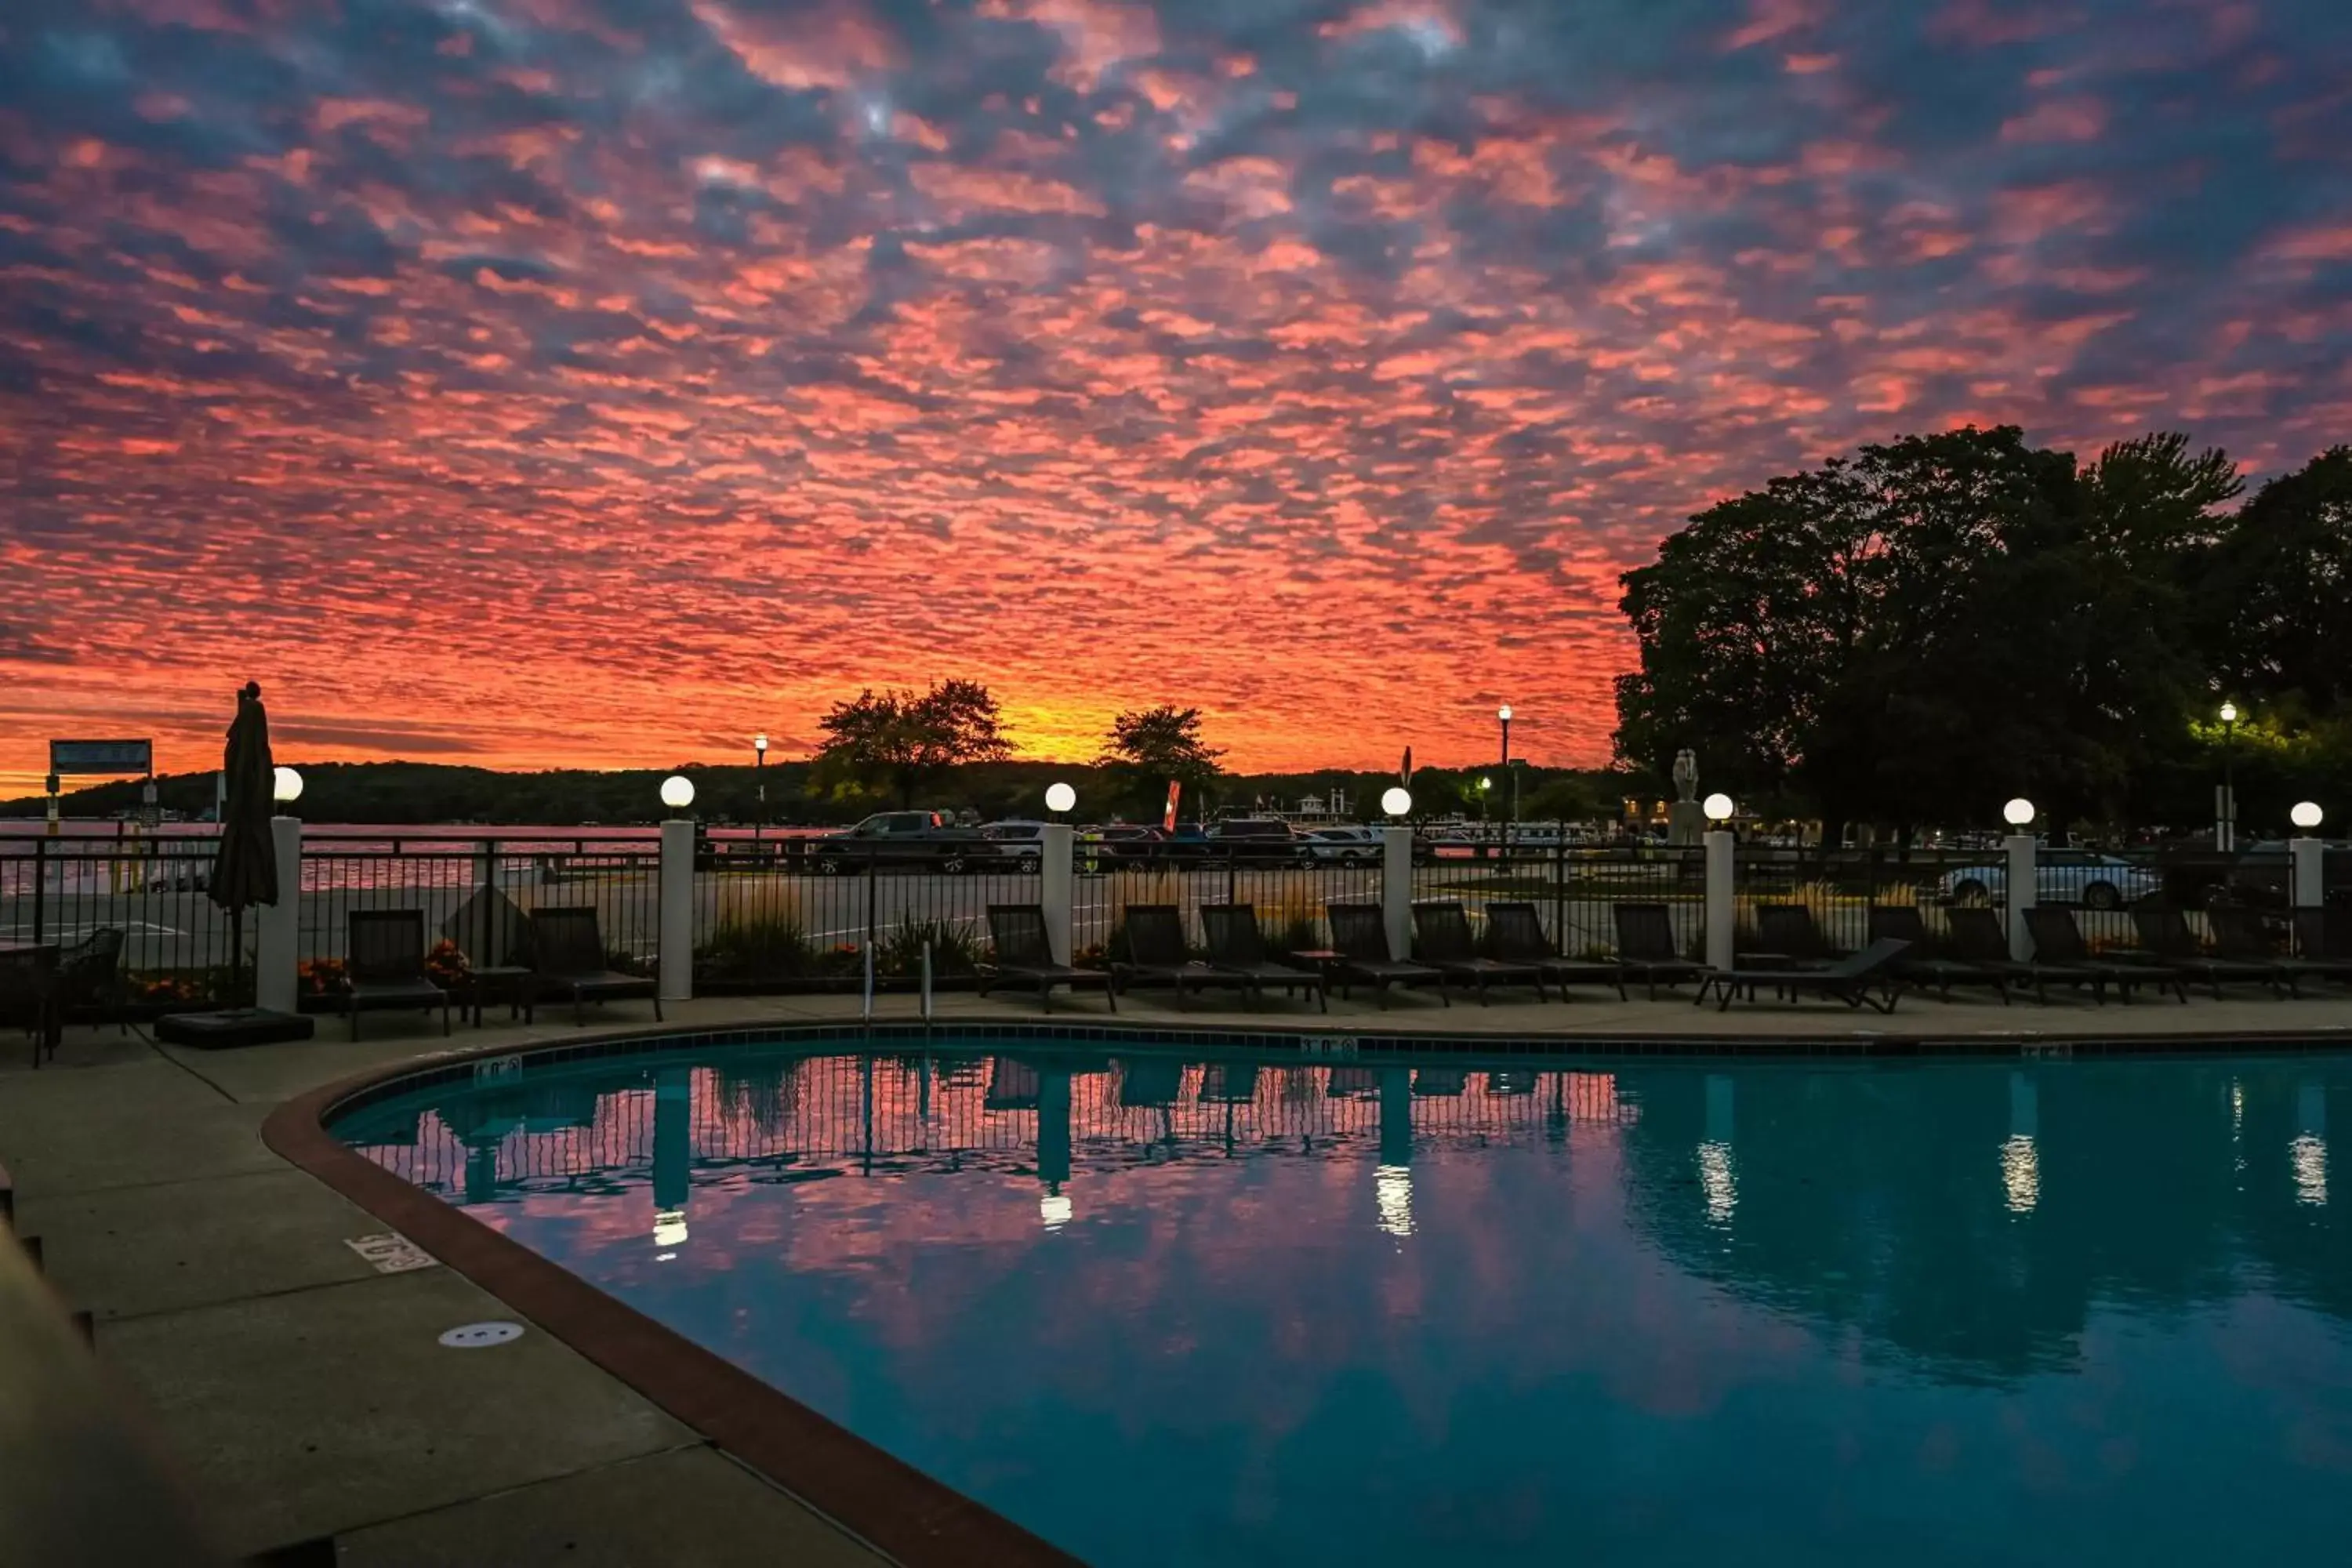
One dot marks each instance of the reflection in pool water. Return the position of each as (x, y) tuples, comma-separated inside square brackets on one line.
[(1163, 1312)]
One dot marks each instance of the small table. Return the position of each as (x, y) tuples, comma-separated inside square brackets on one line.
[(510, 981), (1321, 960)]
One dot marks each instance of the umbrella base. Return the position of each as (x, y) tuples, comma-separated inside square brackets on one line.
[(232, 1027)]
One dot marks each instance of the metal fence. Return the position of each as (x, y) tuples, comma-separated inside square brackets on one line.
[(177, 945), (1288, 889), (763, 919), (1575, 890), (472, 892)]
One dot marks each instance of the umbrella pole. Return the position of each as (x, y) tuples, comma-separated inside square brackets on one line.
[(236, 957)]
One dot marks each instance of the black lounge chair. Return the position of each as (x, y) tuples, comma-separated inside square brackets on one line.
[(1518, 932), (2056, 936), (1024, 957), (1787, 938), (1645, 947), (2242, 935), (1850, 980), (1156, 953), (1921, 967), (1442, 939), (2164, 932), (1237, 947), (386, 966), (89, 979), (1976, 938), (28, 995), (2323, 937), (1360, 935), (567, 959)]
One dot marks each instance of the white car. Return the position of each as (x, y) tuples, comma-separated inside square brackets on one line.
[(2060, 877), (1342, 844)]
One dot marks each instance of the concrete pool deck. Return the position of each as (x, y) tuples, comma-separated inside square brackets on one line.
[(305, 1395)]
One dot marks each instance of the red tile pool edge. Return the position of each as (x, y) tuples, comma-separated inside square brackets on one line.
[(891, 1505)]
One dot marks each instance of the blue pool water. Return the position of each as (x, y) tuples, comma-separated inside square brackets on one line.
[(1165, 1313)]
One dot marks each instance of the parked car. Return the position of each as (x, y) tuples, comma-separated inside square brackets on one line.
[(1124, 844), (1342, 844), (1265, 840), (1021, 842), (2060, 877), (918, 839)]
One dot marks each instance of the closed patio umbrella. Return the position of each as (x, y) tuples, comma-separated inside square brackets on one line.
[(245, 869)]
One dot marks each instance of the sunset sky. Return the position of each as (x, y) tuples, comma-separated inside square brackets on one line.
[(596, 381)]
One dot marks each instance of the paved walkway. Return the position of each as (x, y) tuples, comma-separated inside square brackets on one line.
[(307, 1395)]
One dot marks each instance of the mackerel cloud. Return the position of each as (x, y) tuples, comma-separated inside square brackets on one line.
[(599, 381)]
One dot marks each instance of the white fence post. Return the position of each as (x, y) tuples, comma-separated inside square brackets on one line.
[(277, 928), (1722, 897), (1057, 894), (1396, 888), (2308, 858), (2020, 883), (677, 928)]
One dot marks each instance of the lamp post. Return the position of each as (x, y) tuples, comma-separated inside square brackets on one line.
[(1504, 714), (758, 785), (2225, 819)]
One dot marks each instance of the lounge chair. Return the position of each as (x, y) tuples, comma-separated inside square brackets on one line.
[(1439, 1083), (1645, 947), (1237, 947), (29, 995), (1850, 980), (89, 979), (2323, 936), (1156, 953), (1976, 938), (1024, 957), (567, 959), (1149, 1083), (2165, 933), (386, 966), (1360, 935), (1518, 932), (2056, 936), (1442, 939), (2240, 934), (1921, 967), (1787, 937)]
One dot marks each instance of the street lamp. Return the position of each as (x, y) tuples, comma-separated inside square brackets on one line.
[(1504, 713), (1718, 807), (2305, 814), (2225, 820), (285, 785), (759, 785), (677, 792), (1396, 800), (1060, 798), (2018, 813)]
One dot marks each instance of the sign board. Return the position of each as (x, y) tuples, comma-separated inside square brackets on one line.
[(101, 756), (1168, 818)]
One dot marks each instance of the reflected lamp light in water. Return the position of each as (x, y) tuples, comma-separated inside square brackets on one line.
[(1393, 1199)]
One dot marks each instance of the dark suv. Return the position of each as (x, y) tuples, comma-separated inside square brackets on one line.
[(1259, 840)]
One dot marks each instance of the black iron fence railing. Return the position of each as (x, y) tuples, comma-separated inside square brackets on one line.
[(1575, 889), (1290, 886), (471, 894), (798, 921), (177, 945)]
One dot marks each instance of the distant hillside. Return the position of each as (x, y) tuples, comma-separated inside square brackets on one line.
[(421, 793)]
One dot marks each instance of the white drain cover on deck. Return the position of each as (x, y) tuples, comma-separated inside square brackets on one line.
[(475, 1336)]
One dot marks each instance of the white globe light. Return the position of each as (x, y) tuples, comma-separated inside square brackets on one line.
[(1396, 800), (2018, 813), (758, 742), (2229, 713), (1504, 712), (285, 785), (677, 792), (2306, 814), (1060, 797), (1718, 807)]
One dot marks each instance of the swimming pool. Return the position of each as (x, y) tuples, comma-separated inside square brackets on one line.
[(1376, 1311)]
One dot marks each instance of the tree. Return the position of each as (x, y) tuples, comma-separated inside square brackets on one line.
[(892, 741), (1923, 631), (2279, 582), (1147, 747)]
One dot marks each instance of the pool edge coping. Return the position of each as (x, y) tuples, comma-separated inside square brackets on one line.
[(876, 1497)]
